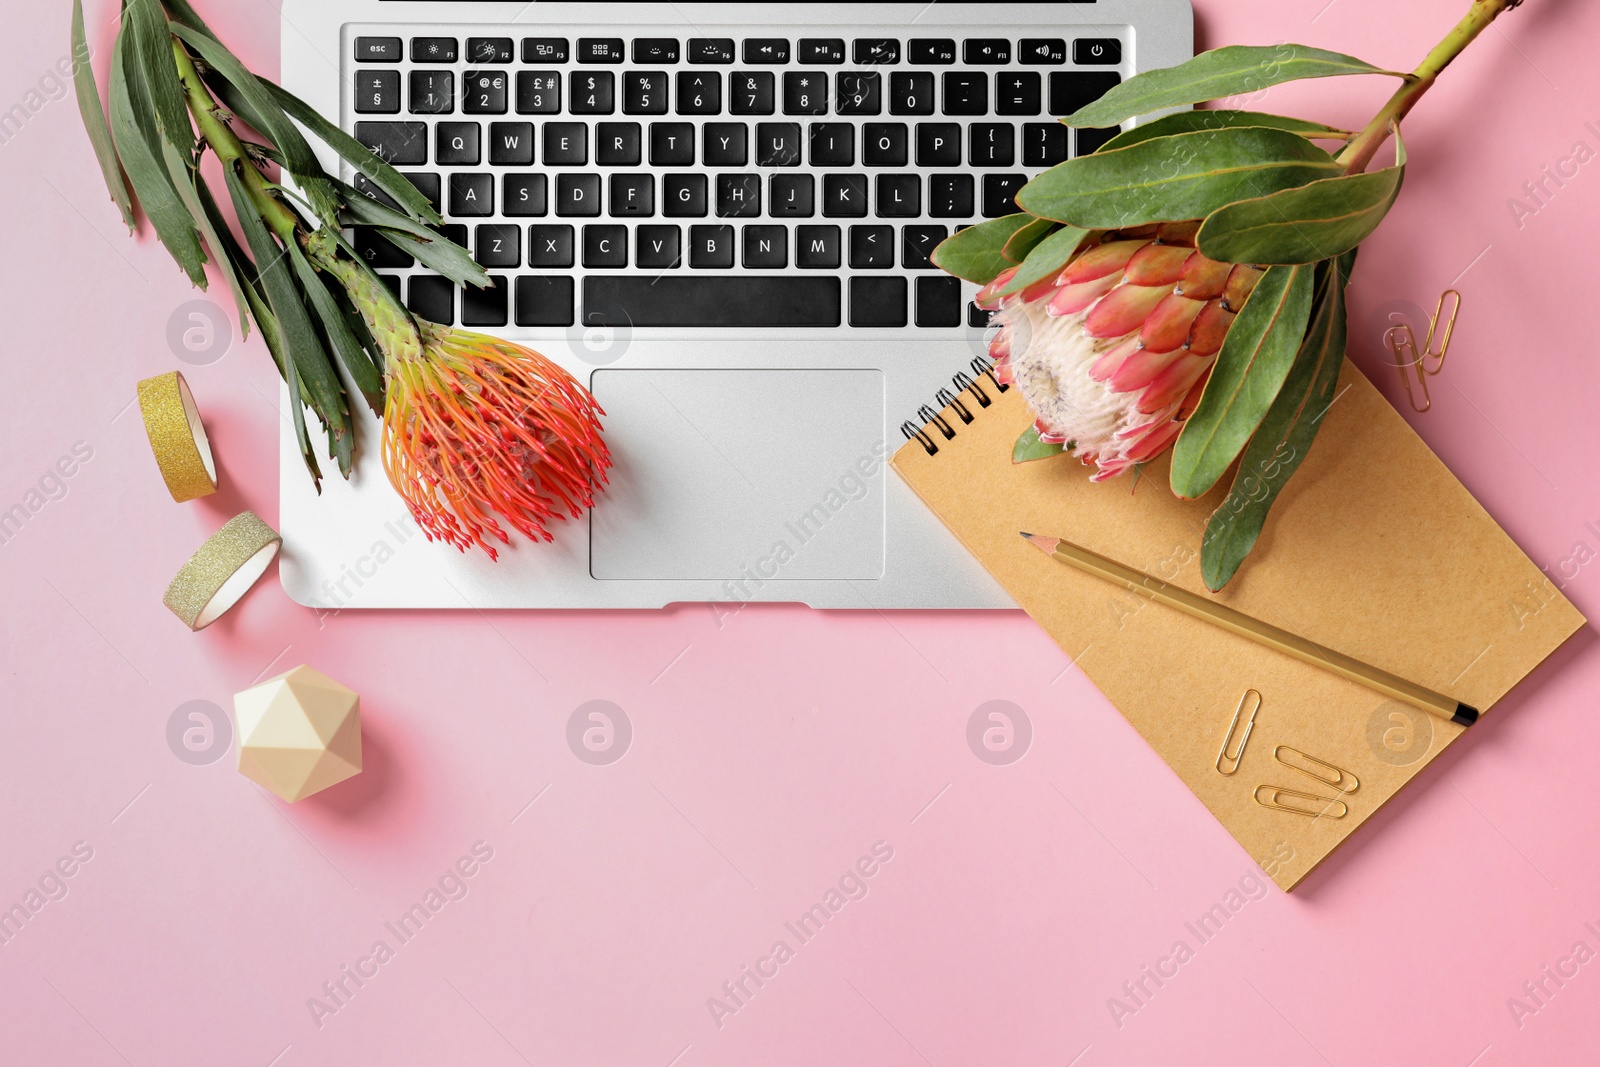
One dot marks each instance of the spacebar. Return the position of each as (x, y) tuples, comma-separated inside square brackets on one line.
[(666, 300)]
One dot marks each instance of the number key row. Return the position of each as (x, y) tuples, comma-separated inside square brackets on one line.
[(701, 92)]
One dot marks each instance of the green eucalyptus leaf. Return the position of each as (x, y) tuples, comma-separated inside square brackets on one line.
[(337, 333), (1313, 222), (1174, 178), (226, 247), (431, 248), (1249, 372), (1218, 73), (977, 252), (272, 334), (184, 14), (146, 172), (219, 225), (248, 97), (355, 153), (187, 182), (1190, 121), (1022, 242), (1047, 257), (1285, 436), (1029, 448), (254, 104), (150, 62), (94, 119), (340, 445), (440, 255), (299, 336)]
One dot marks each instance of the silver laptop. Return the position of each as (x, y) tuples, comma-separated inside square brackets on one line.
[(718, 217)]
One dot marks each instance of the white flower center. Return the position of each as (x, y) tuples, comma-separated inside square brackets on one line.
[(1050, 358)]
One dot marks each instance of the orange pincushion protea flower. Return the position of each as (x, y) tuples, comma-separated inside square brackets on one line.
[(476, 427)]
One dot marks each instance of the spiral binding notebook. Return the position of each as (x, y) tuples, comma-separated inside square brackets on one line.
[(1373, 549)]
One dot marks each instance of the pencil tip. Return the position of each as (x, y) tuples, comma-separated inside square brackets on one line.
[(1027, 535)]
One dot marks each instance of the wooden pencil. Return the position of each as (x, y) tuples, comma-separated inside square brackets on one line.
[(1261, 632)]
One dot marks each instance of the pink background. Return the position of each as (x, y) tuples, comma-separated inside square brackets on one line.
[(772, 752)]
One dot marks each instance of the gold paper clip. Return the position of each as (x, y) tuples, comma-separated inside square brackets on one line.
[(1402, 344), (1278, 798), (1323, 771), (1227, 764)]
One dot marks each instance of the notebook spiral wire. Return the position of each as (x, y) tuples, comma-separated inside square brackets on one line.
[(933, 419)]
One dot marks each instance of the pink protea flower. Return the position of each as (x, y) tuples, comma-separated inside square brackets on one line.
[(1113, 352)]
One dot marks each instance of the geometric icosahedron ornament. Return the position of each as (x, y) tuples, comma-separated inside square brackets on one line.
[(299, 733)]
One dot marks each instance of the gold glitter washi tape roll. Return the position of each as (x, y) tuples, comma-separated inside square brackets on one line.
[(179, 440), (219, 575)]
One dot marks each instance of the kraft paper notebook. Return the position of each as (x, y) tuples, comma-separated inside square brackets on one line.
[(1374, 549)]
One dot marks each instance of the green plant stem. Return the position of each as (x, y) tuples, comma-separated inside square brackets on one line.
[(1358, 154), (230, 151), (389, 322), (391, 325)]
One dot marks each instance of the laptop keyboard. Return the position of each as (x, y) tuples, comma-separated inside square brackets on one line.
[(652, 180)]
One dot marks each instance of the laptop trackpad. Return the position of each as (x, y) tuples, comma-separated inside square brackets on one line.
[(727, 474)]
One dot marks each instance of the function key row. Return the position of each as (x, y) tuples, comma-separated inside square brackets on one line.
[(847, 93), (866, 51), (498, 50)]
